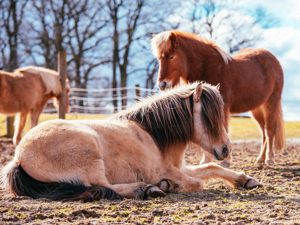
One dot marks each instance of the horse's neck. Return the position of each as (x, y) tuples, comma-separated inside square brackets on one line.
[(175, 154), (203, 63)]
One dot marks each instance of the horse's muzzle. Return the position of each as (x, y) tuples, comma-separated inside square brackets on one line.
[(224, 153), (162, 85)]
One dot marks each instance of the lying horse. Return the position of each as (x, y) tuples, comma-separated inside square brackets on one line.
[(251, 80), (125, 155), (28, 90)]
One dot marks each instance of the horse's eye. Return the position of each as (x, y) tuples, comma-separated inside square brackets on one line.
[(172, 57)]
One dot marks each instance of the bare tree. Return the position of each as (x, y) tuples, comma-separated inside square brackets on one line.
[(73, 26), (134, 22), (47, 23), (12, 12), (130, 13), (224, 21), (84, 37)]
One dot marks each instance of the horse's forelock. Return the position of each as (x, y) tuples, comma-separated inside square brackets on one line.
[(161, 44), (212, 112)]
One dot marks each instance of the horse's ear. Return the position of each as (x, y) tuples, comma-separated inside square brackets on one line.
[(218, 86), (153, 35), (173, 39), (198, 93)]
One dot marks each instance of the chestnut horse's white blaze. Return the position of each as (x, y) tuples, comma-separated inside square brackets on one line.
[(251, 80), (127, 154), (28, 90)]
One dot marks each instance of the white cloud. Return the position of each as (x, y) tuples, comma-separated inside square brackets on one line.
[(286, 10), (284, 44)]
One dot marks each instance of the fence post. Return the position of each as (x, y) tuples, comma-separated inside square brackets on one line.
[(62, 71), (137, 92), (10, 129)]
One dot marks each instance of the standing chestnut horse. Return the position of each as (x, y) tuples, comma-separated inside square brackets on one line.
[(251, 80), (124, 156), (28, 90)]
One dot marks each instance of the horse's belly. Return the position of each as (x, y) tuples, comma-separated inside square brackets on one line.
[(247, 104)]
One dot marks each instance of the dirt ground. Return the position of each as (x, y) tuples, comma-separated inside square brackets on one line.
[(277, 202)]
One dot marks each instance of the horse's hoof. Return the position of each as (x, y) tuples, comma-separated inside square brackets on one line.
[(164, 186), (202, 162), (259, 161), (251, 183), (154, 192), (225, 164), (270, 162)]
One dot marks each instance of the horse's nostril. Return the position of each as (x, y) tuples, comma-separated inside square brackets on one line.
[(162, 85), (225, 150)]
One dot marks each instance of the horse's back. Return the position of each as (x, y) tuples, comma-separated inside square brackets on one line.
[(263, 64), (19, 92), (253, 76)]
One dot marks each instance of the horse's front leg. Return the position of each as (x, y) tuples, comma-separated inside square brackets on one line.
[(214, 171), (174, 180), (19, 126), (34, 116)]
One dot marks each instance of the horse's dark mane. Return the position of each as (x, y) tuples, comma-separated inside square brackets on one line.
[(168, 116)]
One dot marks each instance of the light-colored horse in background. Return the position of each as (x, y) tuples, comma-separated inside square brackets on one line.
[(28, 90), (126, 155)]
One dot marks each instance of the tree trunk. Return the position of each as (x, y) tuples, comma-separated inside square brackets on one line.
[(123, 84)]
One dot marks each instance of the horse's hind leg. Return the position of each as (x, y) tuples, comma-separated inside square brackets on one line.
[(136, 190), (270, 132), (214, 171), (257, 114), (274, 126), (19, 126)]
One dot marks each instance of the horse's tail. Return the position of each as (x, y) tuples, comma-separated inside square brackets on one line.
[(15, 179), (279, 142)]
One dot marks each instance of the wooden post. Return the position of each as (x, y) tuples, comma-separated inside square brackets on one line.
[(10, 129), (137, 92), (62, 71)]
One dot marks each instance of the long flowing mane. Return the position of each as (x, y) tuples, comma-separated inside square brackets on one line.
[(49, 77), (161, 44), (168, 116)]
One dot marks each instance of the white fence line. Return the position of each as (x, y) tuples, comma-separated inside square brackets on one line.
[(110, 89), (100, 101)]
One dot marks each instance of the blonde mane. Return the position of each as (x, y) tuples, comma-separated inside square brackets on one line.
[(168, 116), (161, 44), (49, 77)]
